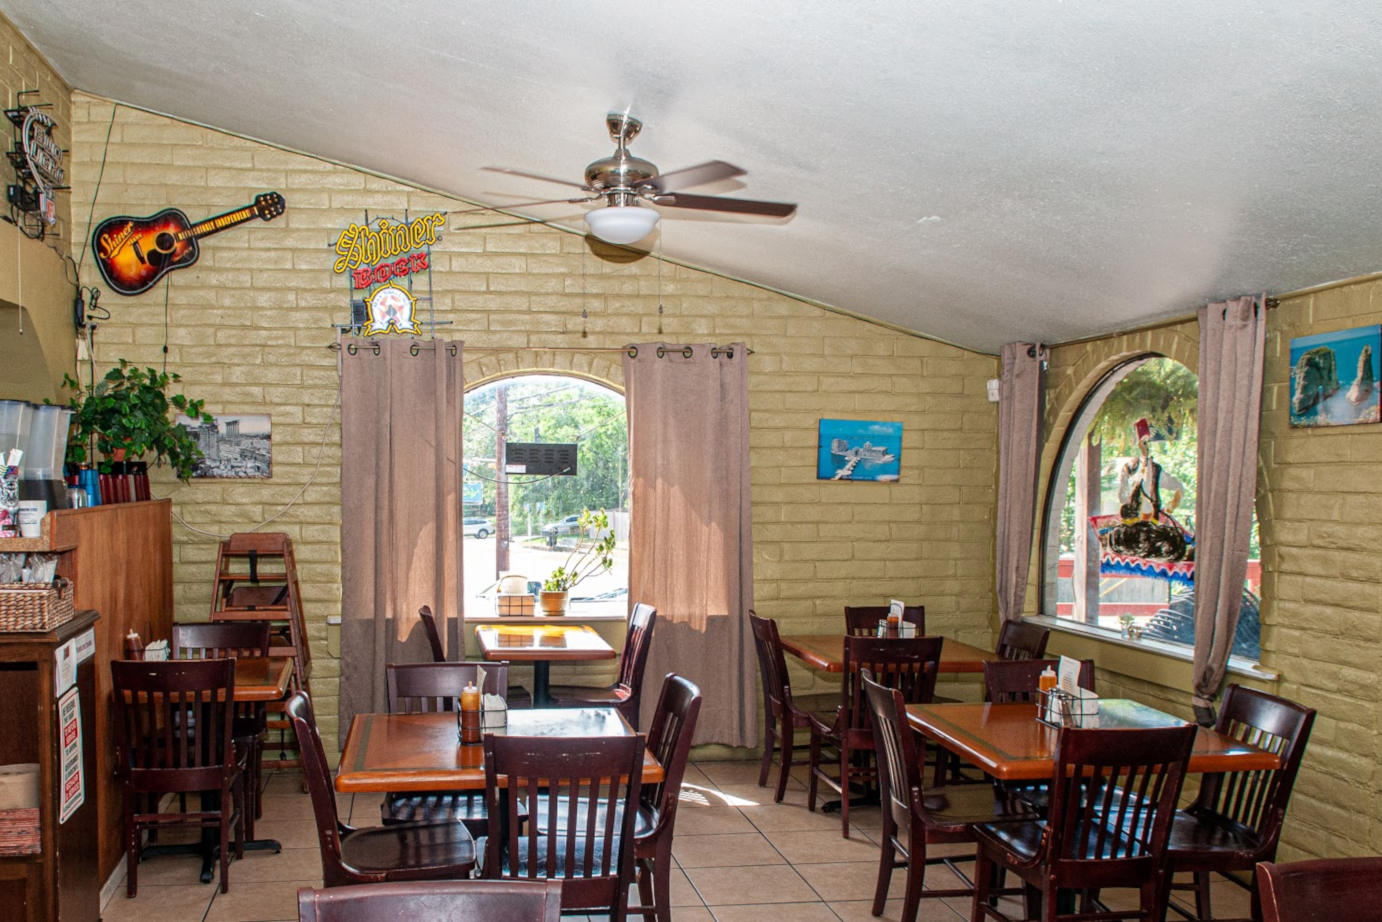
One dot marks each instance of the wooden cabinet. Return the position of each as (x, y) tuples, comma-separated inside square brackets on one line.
[(122, 567), (60, 882)]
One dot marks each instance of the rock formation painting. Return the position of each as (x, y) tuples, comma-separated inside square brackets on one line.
[(1334, 377)]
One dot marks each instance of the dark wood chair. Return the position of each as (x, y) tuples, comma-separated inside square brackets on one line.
[(1021, 640), (1322, 890), (173, 735), (427, 687), (218, 640), (1235, 820), (410, 851), (914, 817), (429, 628), (1010, 681), (862, 620), (626, 692), (669, 738), (907, 664), (1113, 794), (781, 715), (435, 901), (584, 791)]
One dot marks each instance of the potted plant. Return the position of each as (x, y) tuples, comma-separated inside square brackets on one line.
[(126, 413), (591, 554)]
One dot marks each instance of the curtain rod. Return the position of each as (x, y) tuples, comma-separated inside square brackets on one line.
[(631, 349)]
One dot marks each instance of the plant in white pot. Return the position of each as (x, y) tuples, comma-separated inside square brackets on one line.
[(593, 553)]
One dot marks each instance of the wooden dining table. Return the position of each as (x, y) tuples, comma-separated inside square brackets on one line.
[(421, 752), (1009, 743), (827, 652), (542, 644)]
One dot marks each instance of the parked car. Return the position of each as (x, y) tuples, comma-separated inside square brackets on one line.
[(1176, 623), (567, 526), (480, 528)]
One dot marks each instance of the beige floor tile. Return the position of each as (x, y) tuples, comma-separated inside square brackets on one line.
[(722, 773), (796, 912), (173, 904), (815, 846), (295, 807), (290, 864), (927, 911), (265, 901), (694, 820), (694, 775), (790, 818), (724, 850), (288, 833), (853, 880), (692, 914), (751, 795), (744, 885), (172, 871)]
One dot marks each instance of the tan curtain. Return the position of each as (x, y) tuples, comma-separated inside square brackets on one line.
[(1232, 346), (1021, 399), (400, 509), (691, 544)]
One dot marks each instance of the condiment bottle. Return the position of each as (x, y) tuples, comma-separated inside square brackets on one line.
[(134, 647), (470, 714), (1047, 680)]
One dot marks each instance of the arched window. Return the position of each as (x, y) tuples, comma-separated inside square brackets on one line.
[(1118, 540), (524, 523)]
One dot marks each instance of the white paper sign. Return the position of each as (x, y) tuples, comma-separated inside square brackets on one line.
[(73, 791), (1068, 675), (65, 667), (895, 609), (86, 646)]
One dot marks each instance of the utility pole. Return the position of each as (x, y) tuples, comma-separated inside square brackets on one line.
[(501, 480)]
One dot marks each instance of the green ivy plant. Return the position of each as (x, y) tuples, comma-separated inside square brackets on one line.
[(128, 410), (591, 555)]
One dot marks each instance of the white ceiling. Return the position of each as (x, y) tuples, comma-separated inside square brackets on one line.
[(980, 172)]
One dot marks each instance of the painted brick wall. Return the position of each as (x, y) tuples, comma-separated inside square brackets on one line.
[(1319, 511), (248, 325)]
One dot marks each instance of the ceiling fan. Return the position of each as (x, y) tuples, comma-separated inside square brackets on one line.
[(621, 180)]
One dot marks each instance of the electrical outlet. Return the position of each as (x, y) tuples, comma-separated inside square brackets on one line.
[(21, 198)]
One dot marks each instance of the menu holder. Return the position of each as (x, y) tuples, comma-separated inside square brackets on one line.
[(1060, 708)]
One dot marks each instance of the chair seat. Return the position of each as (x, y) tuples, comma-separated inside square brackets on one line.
[(439, 807), (964, 804), (1215, 839), (410, 851), (1023, 841), (643, 823)]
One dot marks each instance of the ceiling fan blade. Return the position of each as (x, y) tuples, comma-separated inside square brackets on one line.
[(546, 201), (511, 172), (698, 175), (717, 203)]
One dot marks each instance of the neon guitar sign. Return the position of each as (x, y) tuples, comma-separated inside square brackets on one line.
[(134, 253)]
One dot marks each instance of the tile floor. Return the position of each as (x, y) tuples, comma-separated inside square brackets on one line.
[(739, 856)]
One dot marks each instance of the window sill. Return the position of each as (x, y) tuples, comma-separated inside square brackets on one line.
[(1122, 654), (571, 617)]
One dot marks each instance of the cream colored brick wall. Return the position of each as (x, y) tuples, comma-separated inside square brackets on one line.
[(1319, 510), (248, 325)]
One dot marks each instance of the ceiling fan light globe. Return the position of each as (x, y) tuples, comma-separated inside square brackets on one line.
[(621, 223)]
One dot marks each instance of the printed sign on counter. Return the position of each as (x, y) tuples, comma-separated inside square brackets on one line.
[(73, 791)]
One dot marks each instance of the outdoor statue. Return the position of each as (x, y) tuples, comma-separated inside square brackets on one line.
[(1147, 495)]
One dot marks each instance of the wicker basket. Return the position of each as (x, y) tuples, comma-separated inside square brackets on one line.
[(35, 606), (19, 831)]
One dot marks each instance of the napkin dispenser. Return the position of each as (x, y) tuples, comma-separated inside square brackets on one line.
[(494, 712)]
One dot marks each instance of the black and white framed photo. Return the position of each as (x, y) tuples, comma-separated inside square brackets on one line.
[(235, 447)]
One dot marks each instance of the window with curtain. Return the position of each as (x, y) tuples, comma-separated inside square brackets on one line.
[(525, 523), (1118, 535)]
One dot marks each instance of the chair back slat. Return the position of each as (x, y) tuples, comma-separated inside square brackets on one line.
[(909, 665), (669, 740), (426, 687), (1113, 795), (899, 761), (317, 772), (1021, 640), (862, 620), (1257, 799), (173, 723), (220, 639), (1015, 681), (429, 630), (569, 813), (772, 663)]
